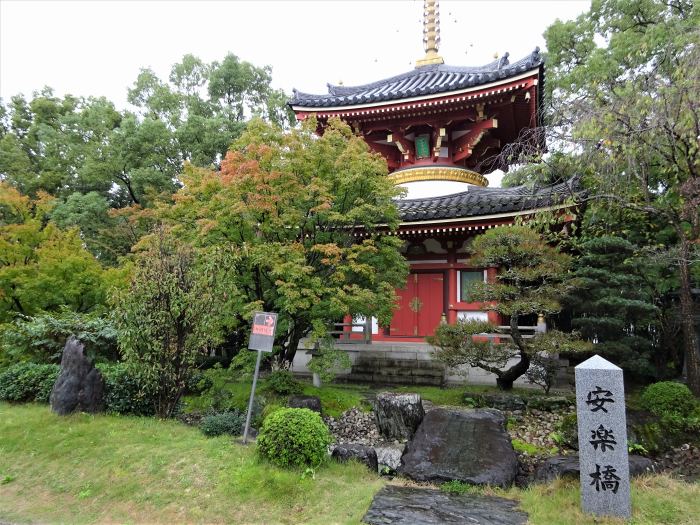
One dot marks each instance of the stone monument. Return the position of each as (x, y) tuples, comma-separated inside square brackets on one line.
[(602, 437)]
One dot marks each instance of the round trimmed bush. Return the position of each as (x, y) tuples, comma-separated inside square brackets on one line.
[(224, 423), (668, 397), (294, 437)]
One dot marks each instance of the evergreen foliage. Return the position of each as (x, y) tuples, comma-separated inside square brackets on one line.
[(613, 307), (28, 382), (532, 279), (231, 423)]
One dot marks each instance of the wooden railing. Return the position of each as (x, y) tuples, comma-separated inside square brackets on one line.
[(343, 332)]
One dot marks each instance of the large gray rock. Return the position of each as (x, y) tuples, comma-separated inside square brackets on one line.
[(310, 402), (568, 467), (417, 506), (389, 456), (362, 453), (471, 446), (79, 387), (398, 415)]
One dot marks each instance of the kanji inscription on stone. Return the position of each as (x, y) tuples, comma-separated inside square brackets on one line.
[(602, 437)]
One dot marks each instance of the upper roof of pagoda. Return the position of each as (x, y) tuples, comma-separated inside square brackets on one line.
[(422, 82)]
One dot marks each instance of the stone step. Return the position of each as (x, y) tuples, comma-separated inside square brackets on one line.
[(398, 371), (391, 379), (398, 363)]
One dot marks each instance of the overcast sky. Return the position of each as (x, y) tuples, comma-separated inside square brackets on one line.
[(97, 47)]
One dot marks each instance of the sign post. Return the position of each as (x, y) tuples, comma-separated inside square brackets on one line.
[(262, 336), (602, 438)]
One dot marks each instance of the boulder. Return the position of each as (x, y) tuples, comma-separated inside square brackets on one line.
[(361, 453), (398, 415), (79, 387), (389, 456), (501, 401), (394, 505), (310, 402), (568, 467), (471, 446)]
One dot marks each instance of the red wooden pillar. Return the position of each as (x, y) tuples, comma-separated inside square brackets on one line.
[(451, 287)]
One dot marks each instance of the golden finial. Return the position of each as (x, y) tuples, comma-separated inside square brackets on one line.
[(431, 34)]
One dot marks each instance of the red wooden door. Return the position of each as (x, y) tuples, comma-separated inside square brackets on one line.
[(404, 321), (430, 293), (420, 306)]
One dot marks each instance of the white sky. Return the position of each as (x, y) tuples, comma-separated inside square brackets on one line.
[(97, 47)]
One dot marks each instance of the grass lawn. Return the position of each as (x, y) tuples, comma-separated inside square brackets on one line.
[(88, 469), (99, 469)]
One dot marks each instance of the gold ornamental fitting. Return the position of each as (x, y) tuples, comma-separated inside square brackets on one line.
[(446, 173)]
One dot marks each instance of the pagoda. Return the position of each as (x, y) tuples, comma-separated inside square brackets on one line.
[(444, 123)]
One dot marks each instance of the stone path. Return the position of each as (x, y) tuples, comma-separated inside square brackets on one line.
[(417, 506)]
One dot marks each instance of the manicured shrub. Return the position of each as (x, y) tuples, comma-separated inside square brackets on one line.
[(282, 382), (224, 423), (668, 398), (28, 382), (125, 393), (294, 437)]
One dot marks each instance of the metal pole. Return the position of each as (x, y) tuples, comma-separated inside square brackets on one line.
[(252, 395)]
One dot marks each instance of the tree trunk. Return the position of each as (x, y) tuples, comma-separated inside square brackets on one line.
[(506, 380), (690, 342)]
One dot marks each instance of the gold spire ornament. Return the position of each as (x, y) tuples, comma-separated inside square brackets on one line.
[(431, 34)]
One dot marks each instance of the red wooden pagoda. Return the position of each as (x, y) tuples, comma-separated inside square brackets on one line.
[(440, 122)]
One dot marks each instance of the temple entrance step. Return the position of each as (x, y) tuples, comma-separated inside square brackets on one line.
[(378, 367)]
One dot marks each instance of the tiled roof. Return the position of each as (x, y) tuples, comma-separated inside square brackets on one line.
[(424, 80), (486, 201)]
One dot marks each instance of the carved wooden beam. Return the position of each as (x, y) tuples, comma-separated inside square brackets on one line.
[(406, 147), (462, 147), (387, 151), (439, 134)]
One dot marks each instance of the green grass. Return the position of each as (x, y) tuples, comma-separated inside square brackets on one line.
[(230, 391), (97, 469), (91, 469), (336, 399)]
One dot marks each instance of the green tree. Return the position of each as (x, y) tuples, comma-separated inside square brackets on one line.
[(42, 267), (614, 305), (532, 279), (625, 78), (167, 317), (301, 217)]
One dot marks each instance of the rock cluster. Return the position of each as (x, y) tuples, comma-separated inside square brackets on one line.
[(683, 462), (534, 427), (354, 426)]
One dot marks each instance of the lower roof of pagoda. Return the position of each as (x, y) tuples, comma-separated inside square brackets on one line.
[(424, 82), (486, 203)]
